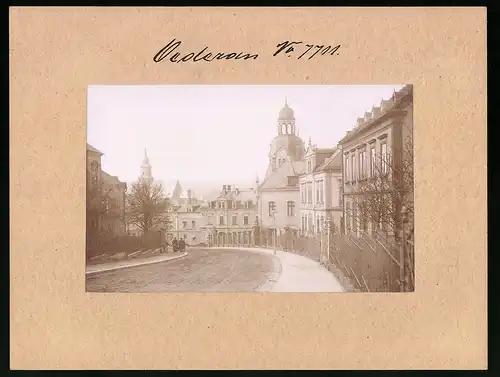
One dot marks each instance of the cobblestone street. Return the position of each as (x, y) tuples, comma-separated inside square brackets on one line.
[(200, 271)]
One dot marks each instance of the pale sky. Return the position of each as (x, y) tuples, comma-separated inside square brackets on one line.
[(214, 134)]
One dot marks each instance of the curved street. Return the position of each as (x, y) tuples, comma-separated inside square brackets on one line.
[(202, 270)]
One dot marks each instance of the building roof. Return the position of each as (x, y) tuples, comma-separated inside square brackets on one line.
[(279, 179), (286, 113), (334, 162), (177, 190), (92, 149), (379, 113)]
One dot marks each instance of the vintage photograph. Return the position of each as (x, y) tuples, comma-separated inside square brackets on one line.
[(250, 188)]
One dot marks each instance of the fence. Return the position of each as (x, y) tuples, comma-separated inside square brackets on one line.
[(372, 262), (98, 244), (375, 262)]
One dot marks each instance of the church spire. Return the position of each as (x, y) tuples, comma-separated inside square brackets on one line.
[(146, 168), (146, 159)]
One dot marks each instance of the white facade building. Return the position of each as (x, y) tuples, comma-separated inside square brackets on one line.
[(278, 194), (320, 189)]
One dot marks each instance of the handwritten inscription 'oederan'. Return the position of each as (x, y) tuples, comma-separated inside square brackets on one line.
[(286, 48), (202, 55)]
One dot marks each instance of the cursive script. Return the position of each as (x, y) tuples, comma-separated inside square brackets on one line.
[(202, 55)]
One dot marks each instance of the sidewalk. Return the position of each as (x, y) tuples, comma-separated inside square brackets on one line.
[(110, 266), (299, 274)]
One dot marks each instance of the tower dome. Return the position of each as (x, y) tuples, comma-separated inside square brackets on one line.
[(286, 113)]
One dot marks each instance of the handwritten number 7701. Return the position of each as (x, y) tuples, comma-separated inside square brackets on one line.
[(288, 48)]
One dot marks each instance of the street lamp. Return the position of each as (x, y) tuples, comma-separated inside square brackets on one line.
[(273, 216)]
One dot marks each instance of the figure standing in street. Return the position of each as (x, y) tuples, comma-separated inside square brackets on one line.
[(175, 245), (164, 246), (182, 245)]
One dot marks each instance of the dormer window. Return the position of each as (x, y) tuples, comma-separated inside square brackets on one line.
[(309, 166), (292, 181)]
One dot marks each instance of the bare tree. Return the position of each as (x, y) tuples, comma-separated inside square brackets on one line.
[(147, 207), (381, 197)]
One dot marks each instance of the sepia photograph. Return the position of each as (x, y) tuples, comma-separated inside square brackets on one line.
[(250, 188)]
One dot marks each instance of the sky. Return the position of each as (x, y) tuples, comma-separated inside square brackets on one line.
[(214, 135)]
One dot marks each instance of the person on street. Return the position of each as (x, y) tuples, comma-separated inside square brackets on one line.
[(164, 246), (182, 244), (175, 245)]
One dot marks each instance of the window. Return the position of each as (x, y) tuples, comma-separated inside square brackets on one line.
[(372, 160), (235, 219), (348, 216), (303, 192), (233, 204), (184, 224), (309, 192), (319, 191), (318, 227), (209, 220), (193, 224), (309, 166), (353, 167), (354, 218), (272, 208), (249, 204), (292, 181), (361, 164), (347, 172), (383, 155), (290, 208), (221, 220), (245, 219)]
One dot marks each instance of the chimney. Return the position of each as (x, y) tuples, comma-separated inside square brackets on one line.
[(229, 188), (224, 188)]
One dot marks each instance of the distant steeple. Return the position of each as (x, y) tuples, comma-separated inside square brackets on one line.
[(177, 192), (146, 170)]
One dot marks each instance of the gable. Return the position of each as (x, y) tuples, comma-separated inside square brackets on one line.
[(279, 179)]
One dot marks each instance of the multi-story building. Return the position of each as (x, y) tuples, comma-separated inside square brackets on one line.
[(279, 194), (114, 192), (230, 218), (320, 189), (187, 218), (94, 189), (105, 197), (376, 163)]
